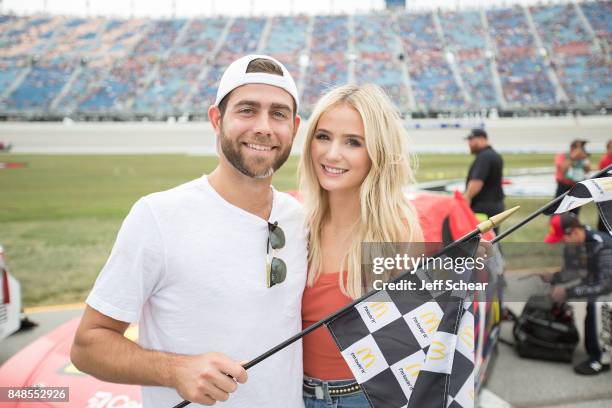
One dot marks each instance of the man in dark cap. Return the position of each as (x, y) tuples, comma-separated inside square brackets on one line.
[(484, 181), (595, 287)]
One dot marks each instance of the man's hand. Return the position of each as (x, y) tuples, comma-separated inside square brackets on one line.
[(485, 249), (558, 294), (207, 378)]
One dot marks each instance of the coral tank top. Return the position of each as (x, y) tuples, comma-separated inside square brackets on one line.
[(322, 359)]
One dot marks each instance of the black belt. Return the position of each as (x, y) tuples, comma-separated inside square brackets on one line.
[(334, 390)]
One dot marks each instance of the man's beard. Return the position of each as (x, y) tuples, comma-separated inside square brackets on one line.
[(231, 151)]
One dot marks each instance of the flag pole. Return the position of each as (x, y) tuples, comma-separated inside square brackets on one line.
[(481, 228), (542, 209)]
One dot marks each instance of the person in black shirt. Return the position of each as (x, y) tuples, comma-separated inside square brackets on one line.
[(484, 181)]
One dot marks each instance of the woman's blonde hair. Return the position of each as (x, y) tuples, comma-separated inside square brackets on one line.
[(386, 215)]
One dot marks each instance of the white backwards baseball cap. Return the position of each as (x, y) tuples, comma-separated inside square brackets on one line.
[(235, 75)]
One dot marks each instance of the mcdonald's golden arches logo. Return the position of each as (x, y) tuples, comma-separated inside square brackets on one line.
[(379, 309), (437, 350), (431, 321), (606, 185), (413, 369), (467, 336), (366, 356)]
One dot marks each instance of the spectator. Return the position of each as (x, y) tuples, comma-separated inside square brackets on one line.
[(572, 167)]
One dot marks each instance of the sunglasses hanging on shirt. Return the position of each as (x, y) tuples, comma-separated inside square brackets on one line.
[(276, 269)]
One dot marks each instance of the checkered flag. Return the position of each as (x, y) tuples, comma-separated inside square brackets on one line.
[(598, 190), (412, 348)]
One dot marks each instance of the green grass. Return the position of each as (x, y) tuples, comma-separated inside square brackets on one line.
[(59, 215)]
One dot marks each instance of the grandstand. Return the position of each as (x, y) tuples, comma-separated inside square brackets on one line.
[(517, 60)]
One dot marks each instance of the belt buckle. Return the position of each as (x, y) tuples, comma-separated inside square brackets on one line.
[(319, 392)]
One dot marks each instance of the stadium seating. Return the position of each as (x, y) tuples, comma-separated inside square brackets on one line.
[(454, 61), (582, 72), (10, 69), (433, 83), (41, 85), (521, 68), (378, 47), (465, 36), (559, 26), (242, 38), (585, 77), (286, 41), (328, 57), (598, 14), (129, 75), (178, 73), (113, 44)]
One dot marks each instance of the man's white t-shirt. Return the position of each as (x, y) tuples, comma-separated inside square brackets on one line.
[(190, 268)]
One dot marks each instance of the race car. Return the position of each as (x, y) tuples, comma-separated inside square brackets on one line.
[(46, 362)]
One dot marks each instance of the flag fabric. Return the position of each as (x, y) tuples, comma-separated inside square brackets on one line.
[(598, 190), (604, 310), (412, 348)]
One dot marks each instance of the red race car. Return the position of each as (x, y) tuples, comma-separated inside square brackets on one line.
[(46, 362)]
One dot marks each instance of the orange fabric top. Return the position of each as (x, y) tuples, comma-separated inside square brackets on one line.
[(322, 359)]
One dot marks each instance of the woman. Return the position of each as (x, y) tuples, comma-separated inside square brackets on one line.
[(353, 167)]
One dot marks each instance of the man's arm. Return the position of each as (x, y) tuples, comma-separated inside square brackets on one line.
[(603, 285), (473, 187), (100, 349)]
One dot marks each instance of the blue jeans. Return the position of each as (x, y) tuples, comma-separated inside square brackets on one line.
[(325, 400)]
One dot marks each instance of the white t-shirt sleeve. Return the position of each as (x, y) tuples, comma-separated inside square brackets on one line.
[(133, 269)]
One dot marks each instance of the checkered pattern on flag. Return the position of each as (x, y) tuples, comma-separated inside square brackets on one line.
[(412, 348), (598, 190)]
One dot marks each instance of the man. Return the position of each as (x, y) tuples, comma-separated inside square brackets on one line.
[(213, 270), (484, 181), (597, 248), (571, 168)]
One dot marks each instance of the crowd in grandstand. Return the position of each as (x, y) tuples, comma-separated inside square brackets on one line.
[(465, 36), (534, 57)]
